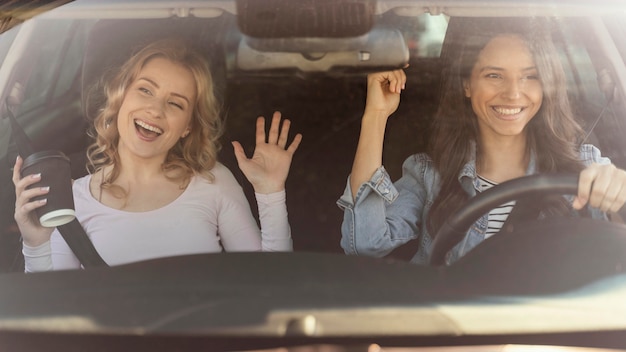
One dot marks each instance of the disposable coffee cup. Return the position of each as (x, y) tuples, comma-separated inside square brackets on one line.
[(54, 167)]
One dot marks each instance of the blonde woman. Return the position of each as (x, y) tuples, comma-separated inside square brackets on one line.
[(156, 188)]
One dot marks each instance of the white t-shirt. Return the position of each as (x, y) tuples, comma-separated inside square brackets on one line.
[(205, 218)]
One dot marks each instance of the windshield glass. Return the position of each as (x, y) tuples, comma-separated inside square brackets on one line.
[(327, 173)]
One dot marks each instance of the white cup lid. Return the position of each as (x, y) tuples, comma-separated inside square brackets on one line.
[(57, 217)]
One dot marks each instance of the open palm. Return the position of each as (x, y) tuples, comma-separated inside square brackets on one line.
[(268, 168)]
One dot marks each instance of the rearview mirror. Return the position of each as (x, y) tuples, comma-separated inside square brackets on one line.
[(305, 18), (380, 49)]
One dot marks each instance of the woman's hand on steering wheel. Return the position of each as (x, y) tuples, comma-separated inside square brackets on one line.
[(603, 186)]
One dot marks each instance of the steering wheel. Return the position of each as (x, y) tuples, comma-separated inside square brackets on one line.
[(535, 186)]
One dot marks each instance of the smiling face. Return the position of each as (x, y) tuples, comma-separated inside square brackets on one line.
[(157, 109), (504, 88)]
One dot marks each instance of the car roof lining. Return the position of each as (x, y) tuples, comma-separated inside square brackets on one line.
[(215, 8)]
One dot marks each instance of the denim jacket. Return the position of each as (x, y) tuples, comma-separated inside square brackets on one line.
[(386, 215)]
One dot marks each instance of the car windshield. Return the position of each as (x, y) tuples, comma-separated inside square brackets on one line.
[(382, 259)]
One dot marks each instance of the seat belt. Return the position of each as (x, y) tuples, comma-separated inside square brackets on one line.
[(75, 236), (72, 232)]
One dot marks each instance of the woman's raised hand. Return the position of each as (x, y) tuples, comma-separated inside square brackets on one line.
[(383, 91), (33, 234), (603, 186), (268, 168)]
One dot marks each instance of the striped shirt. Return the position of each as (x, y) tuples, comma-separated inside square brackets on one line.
[(497, 216)]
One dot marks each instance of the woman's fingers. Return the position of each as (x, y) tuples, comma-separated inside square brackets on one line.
[(278, 133), (396, 79), (602, 187), (22, 184), (260, 130), (33, 234), (284, 133), (16, 170), (295, 143), (585, 180), (24, 194), (27, 208), (24, 207), (383, 92), (614, 198), (398, 82), (23, 198), (274, 129), (609, 188), (240, 154)]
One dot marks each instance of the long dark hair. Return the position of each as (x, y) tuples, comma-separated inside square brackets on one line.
[(554, 130)]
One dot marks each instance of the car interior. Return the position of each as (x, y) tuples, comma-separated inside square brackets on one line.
[(507, 290), (323, 104)]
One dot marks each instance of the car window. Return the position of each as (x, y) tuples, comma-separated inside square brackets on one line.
[(424, 34), (617, 28), (5, 42), (72, 52), (589, 78), (48, 53)]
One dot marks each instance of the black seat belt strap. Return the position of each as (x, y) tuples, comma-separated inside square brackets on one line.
[(81, 245)]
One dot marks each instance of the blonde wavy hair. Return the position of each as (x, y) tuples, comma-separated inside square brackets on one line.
[(194, 154)]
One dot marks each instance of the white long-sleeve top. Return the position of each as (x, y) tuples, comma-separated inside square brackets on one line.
[(207, 217)]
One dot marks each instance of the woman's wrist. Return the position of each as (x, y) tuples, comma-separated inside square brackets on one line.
[(34, 243), (372, 114), (36, 249), (268, 188), (271, 198)]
